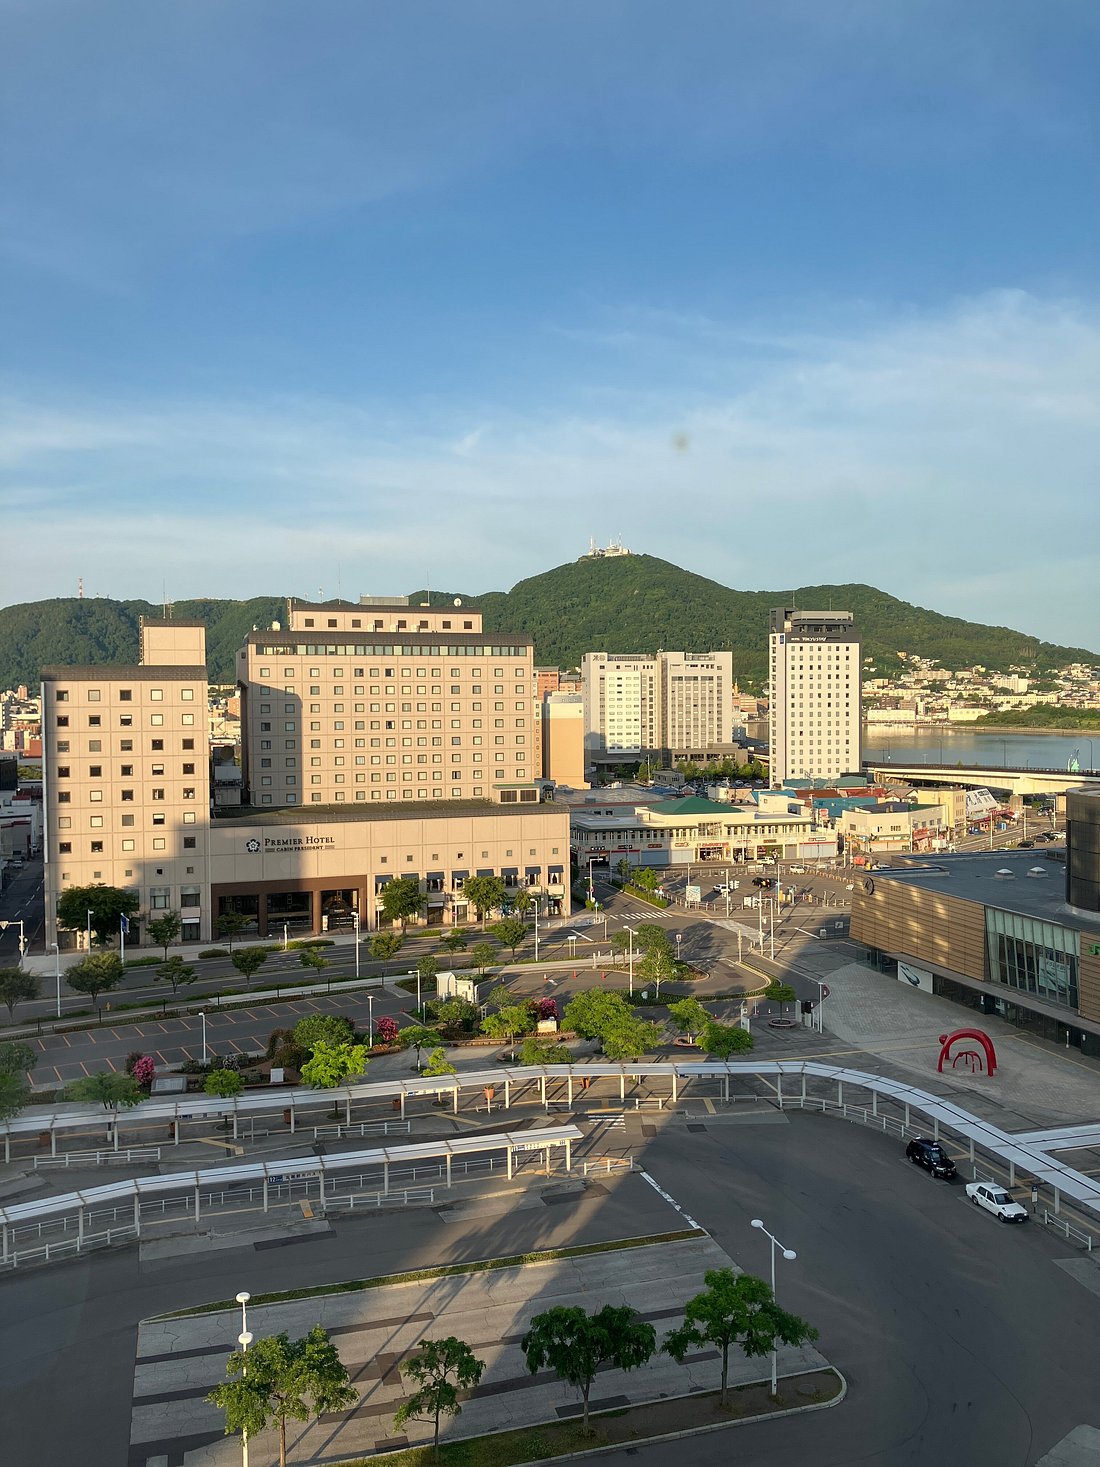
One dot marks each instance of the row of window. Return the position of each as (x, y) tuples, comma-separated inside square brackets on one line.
[(124, 695), (125, 746), (95, 771), (126, 720), (331, 649), (95, 797), (159, 843), (506, 797)]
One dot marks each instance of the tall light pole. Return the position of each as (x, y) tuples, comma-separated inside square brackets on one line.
[(244, 1339), (536, 929), (591, 883), (205, 1056), (370, 1020), (630, 957), (355, 924), (57, 973), (790, 1255), (89, 929)]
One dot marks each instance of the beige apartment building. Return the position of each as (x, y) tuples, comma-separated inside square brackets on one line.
[(651, 705), (561, 719), (814, 726), (384, 701), (126, 782)]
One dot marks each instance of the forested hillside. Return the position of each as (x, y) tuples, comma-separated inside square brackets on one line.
[(636, 603)]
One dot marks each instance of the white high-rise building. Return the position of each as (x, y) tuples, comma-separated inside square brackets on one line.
[(670, 701), (814, 714)]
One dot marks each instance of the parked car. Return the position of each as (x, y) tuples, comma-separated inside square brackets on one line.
[(997, 1201), (931, 1156), (1024, 845)]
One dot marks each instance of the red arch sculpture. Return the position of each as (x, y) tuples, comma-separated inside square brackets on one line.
[(947, 1040)]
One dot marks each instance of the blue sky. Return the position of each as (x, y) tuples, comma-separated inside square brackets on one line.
[(348, 295)]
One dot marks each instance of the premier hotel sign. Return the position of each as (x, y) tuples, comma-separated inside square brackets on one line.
[(282, 844)]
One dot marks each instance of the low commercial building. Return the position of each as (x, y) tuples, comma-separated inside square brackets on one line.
[(992, 931), (894, 825), (689, 831)]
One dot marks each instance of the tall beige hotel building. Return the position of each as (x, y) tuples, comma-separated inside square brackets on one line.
[(379, 740)]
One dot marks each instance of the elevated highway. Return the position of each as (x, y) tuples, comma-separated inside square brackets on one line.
[(1009, 781)]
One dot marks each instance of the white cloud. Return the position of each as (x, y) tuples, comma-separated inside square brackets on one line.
[(948, 458)]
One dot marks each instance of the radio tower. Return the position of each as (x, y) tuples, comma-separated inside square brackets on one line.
[(80, 588)]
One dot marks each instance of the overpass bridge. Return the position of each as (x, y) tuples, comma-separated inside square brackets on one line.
[(1007, 780)]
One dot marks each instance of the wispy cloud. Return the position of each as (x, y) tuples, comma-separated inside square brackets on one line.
[(943, 457)]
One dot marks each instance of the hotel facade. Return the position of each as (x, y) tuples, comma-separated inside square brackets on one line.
[(379, 740)]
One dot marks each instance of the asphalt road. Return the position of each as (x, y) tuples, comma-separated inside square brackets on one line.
[(21, 901), (961, 1339)]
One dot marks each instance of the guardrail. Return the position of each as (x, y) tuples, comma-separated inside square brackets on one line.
[(405, 1197), (363, 1128), (1060, 1225), (104, 1157)]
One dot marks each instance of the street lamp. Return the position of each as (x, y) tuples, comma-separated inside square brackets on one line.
[(370, 1020), (89, 929), (630, 957), (244, 1339), (536, 905), (355, 924), (202, 1016), (57, 973), (790, 1255)]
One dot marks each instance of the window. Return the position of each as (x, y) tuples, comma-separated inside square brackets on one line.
[(156, 695), (65, 848), (97, 848), (95, 746), (94, 695), (61, 695), (159, 897), (126, 770), (126, 794), (96, 796), (188, 769), (62, 720), (95, 771), (63, 772), (187, 695), (157, 745), (125, 695)]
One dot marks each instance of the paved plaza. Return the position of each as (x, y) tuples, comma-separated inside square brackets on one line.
[(178, 1361)]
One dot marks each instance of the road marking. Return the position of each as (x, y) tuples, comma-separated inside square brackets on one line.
[(710, 1107), (670, 1200)]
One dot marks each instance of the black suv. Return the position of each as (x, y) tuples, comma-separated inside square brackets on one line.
[(931, 1156)]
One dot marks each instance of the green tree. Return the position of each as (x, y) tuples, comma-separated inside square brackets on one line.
[(232, 924), (483, 954), (311, 957), (645, 879), (176, 972), (620, 942), (417, 1036), (280, 1379), (248, 960), (16, 1062), (506, 1023), (522, 901), (591, 1013), (427, 967), (535, 1051), (438, 1064), (164, 929), (223, 1083), (457, 1015), (689, 1016), (622, 869), (384, 945), (442, 1368), (575, 1344), (330, 1065), (16, 986), (656, 967), (628, 1039), (735, 1310), (485, 894), (97, 973), (455, 940), (332, 1028), (509, 932), (722, 1040), (780, 993), (402, 899), (107, 904), (114, 1090), (652, 937)]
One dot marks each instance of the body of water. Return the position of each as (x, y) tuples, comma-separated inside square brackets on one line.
[(992, 750)]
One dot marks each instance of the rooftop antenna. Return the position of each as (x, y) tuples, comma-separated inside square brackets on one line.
[(80, 588), (427, 589), (339, 581)]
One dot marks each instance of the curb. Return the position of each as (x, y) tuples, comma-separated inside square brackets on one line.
[(665, 1436)]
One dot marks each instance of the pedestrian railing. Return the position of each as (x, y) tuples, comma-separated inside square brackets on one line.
[(104, 1157), (603, 1166), (405, 1197), (362, 1128), (1068, 1231)]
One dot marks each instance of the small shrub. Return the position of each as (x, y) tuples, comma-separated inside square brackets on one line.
[(132, 1059), (214, 952), (145, 1068)]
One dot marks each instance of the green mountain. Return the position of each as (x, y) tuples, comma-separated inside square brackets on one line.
[(635, 603), (39, 634)]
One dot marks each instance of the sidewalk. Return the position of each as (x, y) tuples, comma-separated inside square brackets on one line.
[(901, 1026)]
